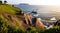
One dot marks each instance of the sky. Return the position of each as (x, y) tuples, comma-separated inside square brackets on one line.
[(35, 2)]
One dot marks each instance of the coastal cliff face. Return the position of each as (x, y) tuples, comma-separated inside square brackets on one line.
[(20, 19), (39, 24)]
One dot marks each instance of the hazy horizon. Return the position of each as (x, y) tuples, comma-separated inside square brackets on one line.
[(46, 8), (35, 2)]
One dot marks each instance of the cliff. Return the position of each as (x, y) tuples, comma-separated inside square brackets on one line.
[(16, 17)]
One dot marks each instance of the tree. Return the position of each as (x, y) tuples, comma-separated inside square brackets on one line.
[(5, 1), (0, 2)]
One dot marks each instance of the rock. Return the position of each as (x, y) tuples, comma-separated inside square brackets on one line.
[(39, 24)]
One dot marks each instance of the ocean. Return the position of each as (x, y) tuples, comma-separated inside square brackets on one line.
[(43, 11)]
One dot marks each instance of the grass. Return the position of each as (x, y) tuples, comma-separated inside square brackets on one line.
[(9, 28), (8, 9)]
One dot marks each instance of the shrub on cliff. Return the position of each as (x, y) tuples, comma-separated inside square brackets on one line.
[(5, 28)]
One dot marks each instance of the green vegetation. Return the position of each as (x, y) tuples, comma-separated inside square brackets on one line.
[(8, 9), (5, 2), (8, 28), (5, 28), (57, 23), (0, 2)]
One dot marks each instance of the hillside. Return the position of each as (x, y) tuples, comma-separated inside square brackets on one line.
[(14, 20), (8, 14), (8, 9), (16, 17)]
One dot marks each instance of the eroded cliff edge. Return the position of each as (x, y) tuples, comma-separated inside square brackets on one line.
[(16, 17)]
